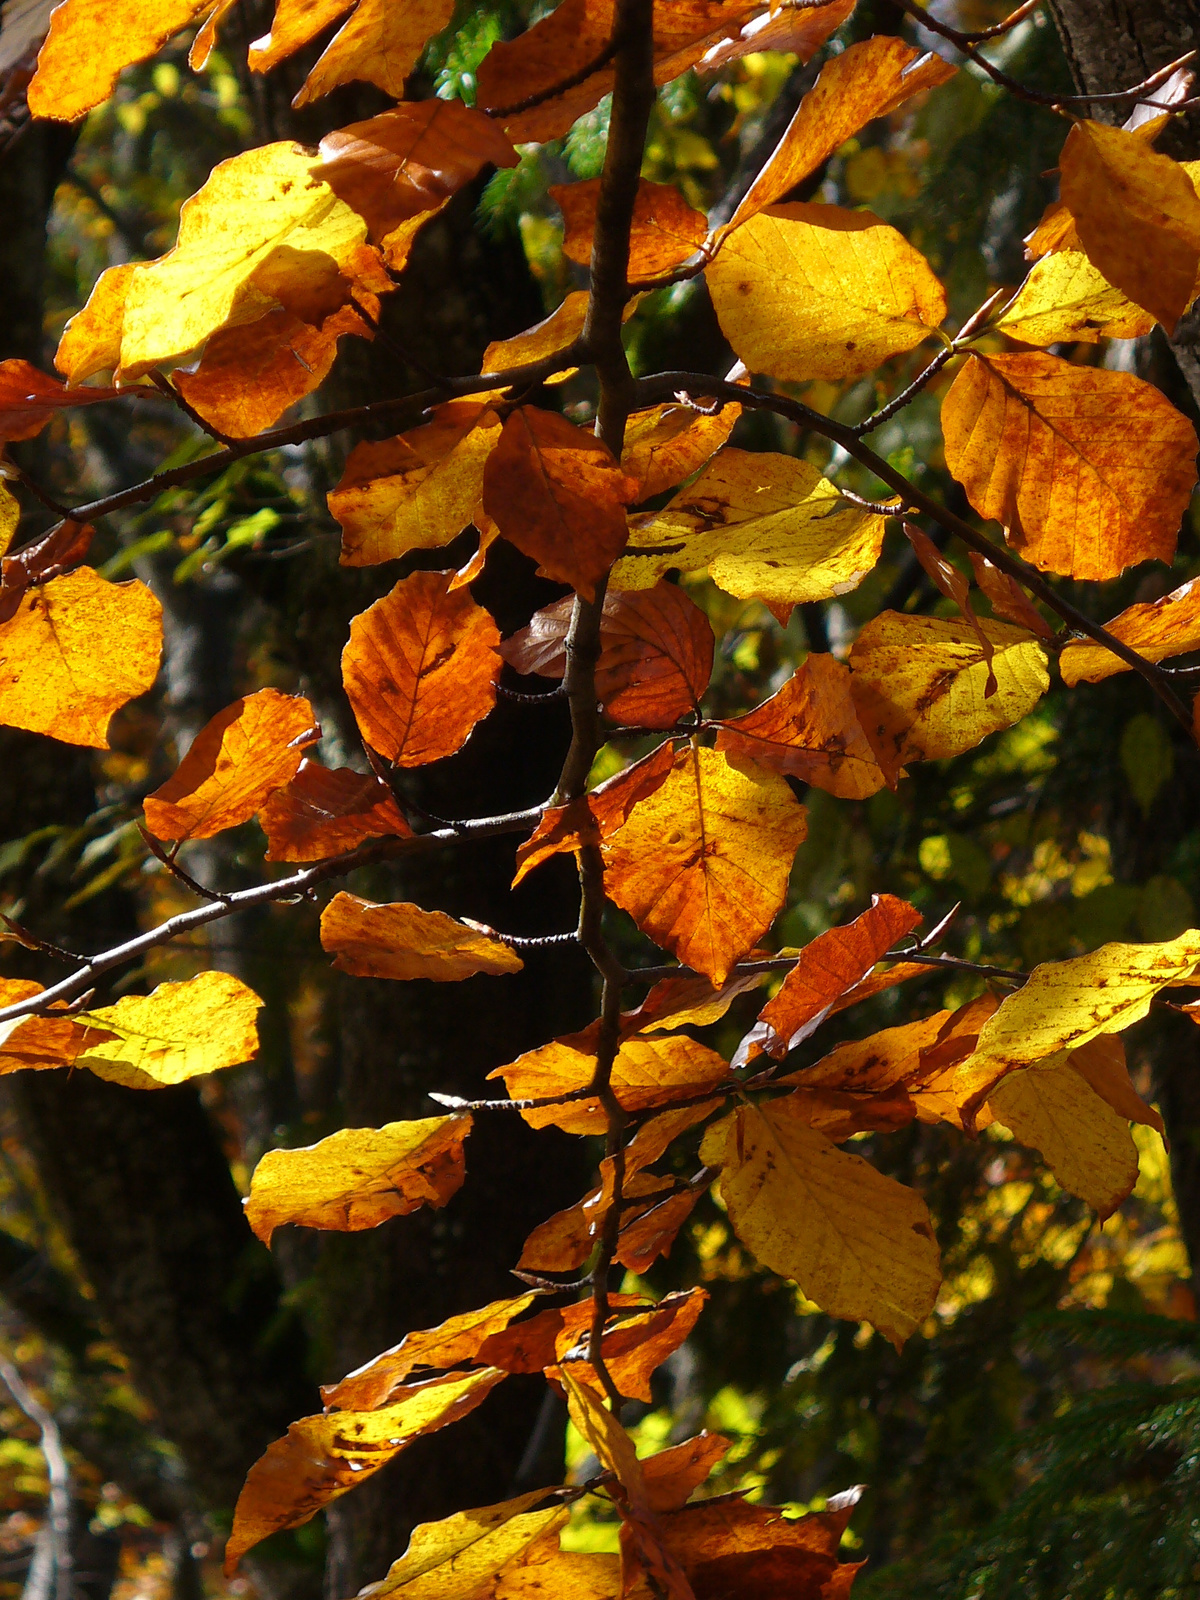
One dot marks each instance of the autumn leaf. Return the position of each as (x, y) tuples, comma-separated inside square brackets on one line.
[(1066, 298), (1155, 629), (558, 331), (665, 230), (1008, 598), (651, 1233), (39, 560), (324, 812), (233, 765), (1088, 471), (402, 941), (857, 1243), (1102, 1063), (323, 1457), (668, 443), (92, 41), (176, 1032), (765, 526), (920, 683), (29, 398), (359, 1177), (75, 650), (673, 1474), (702, 865), (37, 1043), (635, 1348), (809, 729), (846, 292), (555, 491), (531, 1346), (729, 1547), (380, 44), (91, 340), (791, 29), (687, 1002), (420, 669), (1136, 214)]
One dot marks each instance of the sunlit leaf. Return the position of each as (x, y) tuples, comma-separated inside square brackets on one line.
[(668, 443), (1155, 629), (636, 1347), (673, 1474), (380, 43), (176, 1032), (324, 812), (1102, 1063), (92, 41), (795, 30), (1066, 298), (665, 230), (402, 941), (558, 331), (29, 398)]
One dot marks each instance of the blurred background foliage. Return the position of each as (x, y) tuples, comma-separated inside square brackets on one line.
[(1039, 1438)]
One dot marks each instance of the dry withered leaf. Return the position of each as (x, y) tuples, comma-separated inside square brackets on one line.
[(322, 1457), (403, 941), (702, 864), (668, 443), (1088, 471), (651, 1233), (75, 650), (730, 1547), (555, 491), (29, 398), (565, 1240), (666, 230), (233, 765), (92, 41), (1156, 630), (1008, 598), (810, 730), (860, 1244), (359, 1177), (324, 812), (420, 669)]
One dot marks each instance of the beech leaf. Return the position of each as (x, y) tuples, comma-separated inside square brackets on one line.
[(380, 43), (92, 41), (402, 941), (324, 812), (29, 398), (729, 1547), (1156, 629), (636, 1347), (1066, 298), (665, 231), (176, 1032), (668, 443)]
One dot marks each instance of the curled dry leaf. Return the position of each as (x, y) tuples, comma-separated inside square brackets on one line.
[(51, 556), (810, 730), (1156, 630), (233, 765), (323, 813), (666, 230), (1088, 471), (402, 941), (1065, 298), (1008, 599), (702, 864), (795, 30), (556, 492), (668, 443), (846, 292), (636, 1347), (857, 1243), (92, 41), (687, 1002), (359, 1177), (765, 526), (420, 669), (75, 650), (920, 684), (652, 1232), (531, 1346), (323, 1457), (29, 398)]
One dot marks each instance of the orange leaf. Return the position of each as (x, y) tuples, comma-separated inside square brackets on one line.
[(702, 865), (1088, 471), (636, 1347), (952, 583), (1102, 1063), (1008, 599), (91, 340), (323, 813), (420, 669), (674, 1473), (558, 331), (92, 41), (402, 941), (37, 1043), (235, 763), (651, 1233), (687, 1002), (555, 491), (295, 24), (48, 557), (794, 30), (29, 398), (565, 1240), (380, 44), (410, 159), (1156, 630), (665, 228), (530, 1346), (809, 730), (668, 443), (656, 653)]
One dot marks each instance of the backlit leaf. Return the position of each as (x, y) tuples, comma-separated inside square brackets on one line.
[(665, 231), (29, 398), (531, 1346), (237, 760), (687, 1002), (75, 650), (322, 813), (558, 331), (402, 941), (846, 291), (765, 526), (668, 443), (858, 1243), (38, 1043), (702, 865), (1066, 298), (91, 340), (792, 29), (1088, 471), (295, 24), (178, 1031), (637, 1346), (359, 1177), (323, 1457), (674, 1473), (1008, 598), (420, 669), (460, 1557), (730, 1547), (1102, 1063), (380, 44), (1155, 629), (92, 41)]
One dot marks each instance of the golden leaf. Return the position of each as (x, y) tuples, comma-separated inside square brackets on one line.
[(1088, 471), (667, 443), (75, 650), (765, 526), (295, 24), (1102, 1063), (665, 230), (178, 1031), (38, 1043), (323, 813), (29, 398), (1156, 629), (380, 44), (558, 331), (859, 1244), (235, 763), (1066, 298), (402, 941), (702, 865), (846, 291), (635, 1348), (92, 41), (91, 340), (674, 1473), (461, 1556), (359, 1177)]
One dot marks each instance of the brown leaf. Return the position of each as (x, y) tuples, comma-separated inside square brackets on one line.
[(668, 443), (1156, 630), (952, 583), (665, 230), (402, 941), (235, 763), (48, 557), (565, 1240), (651, 1233), (810, 730), (794, 30), (410, 159), (324, 813), (730, 1547), (29, 398), (420, 669), (1088, 471), (636, 1347), (674, 1473), (555, 491), (531, 1346), (1008, 599)]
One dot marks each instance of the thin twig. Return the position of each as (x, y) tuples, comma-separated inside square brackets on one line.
[(51, 1572), (165, 387)]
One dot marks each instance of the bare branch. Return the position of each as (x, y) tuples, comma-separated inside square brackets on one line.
[(51, 1575)]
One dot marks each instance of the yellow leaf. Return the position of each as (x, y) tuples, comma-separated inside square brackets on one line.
[(544, 1572), (461, 1556), (558, 331), (1088, 471), (1136, 214), (1085, 1143), (379, 44), (610, 1444), (359, 1177), (75, 651), (845, 292), (920, 684), (859, 1244), (92, 41), (321, 1458), (10, 516), (1066, 298), (403, 941), (91, 340), (702, 865), (765, 526), (177, 1032), (1156, 629), (667, 443)]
